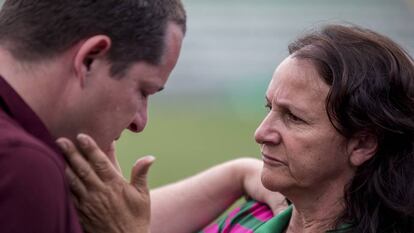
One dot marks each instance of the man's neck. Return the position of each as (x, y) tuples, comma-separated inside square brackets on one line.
[(38, 84)]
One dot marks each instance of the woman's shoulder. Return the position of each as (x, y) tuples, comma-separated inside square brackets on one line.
[(248, 217), (256, 217)]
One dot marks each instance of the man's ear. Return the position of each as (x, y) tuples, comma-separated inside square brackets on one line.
[(362, 147), (89, 50)]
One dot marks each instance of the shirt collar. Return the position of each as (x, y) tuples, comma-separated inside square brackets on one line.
[(19, 110), (279, 223)]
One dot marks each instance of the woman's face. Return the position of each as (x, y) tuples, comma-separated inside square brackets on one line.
[(300, 148)]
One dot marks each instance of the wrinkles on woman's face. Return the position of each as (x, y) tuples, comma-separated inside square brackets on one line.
[(300, 147)]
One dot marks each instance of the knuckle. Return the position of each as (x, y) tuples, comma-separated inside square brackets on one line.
[(83, 173), (74, 184), (101, 165), (91, 149), (71, 178)]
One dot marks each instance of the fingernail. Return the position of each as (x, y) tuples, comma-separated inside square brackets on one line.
[(83, 140), (63, 145), (150, 158)]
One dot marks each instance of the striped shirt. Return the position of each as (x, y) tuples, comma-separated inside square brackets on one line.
[(255, 217)]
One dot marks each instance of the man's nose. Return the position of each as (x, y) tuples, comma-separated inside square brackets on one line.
[(139, 121)]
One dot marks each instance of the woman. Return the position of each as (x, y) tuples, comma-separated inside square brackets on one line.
[(338, 140)]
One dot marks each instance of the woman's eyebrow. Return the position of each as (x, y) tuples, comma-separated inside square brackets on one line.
[(287, 105)]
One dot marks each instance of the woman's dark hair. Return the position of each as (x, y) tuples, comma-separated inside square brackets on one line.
[(371, 82)]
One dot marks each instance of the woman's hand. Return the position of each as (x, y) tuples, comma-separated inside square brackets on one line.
[(105, 201), (253, 187), (190, 204), (112, 157)]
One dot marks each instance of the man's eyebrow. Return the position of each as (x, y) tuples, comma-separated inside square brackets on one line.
[(160, 89)]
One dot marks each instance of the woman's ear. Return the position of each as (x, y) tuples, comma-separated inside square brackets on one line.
[(92, 48), (361, 147)]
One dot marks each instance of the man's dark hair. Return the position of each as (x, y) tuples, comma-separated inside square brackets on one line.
[(371, 82), (37, 29)]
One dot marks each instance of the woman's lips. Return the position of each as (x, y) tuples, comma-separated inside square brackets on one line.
[(272, 161)]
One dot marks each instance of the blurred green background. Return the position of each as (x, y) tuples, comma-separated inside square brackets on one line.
[(188, 134), (214, 99)]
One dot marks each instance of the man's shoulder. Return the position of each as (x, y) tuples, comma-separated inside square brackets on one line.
[(19, 148), (33, 191), (34, 194), (21, 153)]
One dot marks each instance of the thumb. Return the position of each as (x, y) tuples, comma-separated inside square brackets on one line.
[(111, 153), (139, 173), (112, 157)]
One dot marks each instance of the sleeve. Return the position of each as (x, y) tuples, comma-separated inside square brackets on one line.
[(246, 218), (33, 194)]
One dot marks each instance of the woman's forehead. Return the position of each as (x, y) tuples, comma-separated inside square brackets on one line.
[(297, 74), (296, 82)]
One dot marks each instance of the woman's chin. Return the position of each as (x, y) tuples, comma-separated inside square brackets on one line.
[(272, 182)]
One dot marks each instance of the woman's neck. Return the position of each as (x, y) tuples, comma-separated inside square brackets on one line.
[(306, 222), (316, 212)]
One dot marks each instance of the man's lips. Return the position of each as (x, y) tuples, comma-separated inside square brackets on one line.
[(272, 161)]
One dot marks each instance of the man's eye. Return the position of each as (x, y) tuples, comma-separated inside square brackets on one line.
[(268, 107), (144, 94)]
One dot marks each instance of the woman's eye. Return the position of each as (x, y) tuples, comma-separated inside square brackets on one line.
[(293, 118), (268, 107)]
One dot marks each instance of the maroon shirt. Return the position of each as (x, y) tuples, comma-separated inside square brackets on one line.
[(34, 195)]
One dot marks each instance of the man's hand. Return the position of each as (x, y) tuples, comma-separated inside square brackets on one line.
[(106, 202)]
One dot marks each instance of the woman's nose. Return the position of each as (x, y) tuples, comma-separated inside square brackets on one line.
[(267, 132)]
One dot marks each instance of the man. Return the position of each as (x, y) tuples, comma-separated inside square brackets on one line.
[(84, 66), (67, 67)]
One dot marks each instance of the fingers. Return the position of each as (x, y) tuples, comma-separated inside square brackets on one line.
[(278, 203), (77, 187), (96, 158), (139, 173), (79, 165), (112, 157), (75, 200), (111, 153)]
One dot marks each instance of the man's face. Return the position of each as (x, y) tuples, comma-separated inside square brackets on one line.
[(110, 105)]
